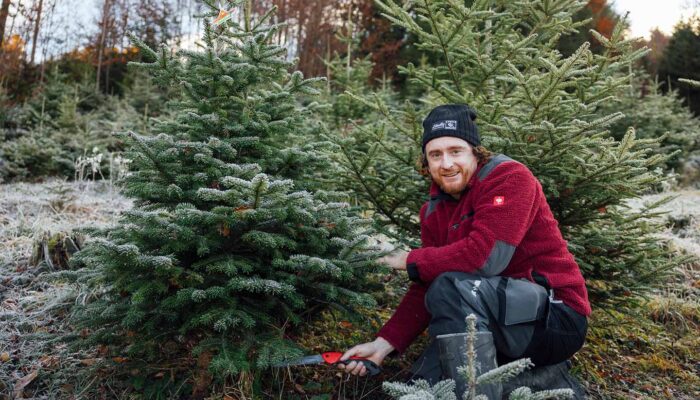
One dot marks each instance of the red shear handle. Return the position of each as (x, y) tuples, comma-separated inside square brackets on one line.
[(333, 357)]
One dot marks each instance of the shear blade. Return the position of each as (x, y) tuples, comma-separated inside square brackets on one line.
[(308, 360)]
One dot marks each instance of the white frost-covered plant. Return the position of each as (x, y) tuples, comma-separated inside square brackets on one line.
[(690, 82), (118, 167), (445, 389), (91, 165), (421, 390)]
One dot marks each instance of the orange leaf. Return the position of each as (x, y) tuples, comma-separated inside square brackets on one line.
[(174, 283), (299, 389), (48, 361), (345, 324), (222, 14), (224, 230), (102, 350)]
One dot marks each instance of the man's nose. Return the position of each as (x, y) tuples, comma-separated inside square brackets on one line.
[(446, 162)]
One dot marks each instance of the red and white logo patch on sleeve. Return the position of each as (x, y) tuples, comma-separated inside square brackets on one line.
[(499, 200)]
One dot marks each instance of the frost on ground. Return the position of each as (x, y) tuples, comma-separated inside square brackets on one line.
[(683, 215), (28, 210), (31, 308)]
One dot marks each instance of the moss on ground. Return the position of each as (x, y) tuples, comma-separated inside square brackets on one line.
[(642, 356)]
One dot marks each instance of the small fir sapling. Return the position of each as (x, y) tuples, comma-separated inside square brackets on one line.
[(445, 389)]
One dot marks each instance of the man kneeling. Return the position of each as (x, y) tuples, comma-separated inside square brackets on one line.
[(491, 247)]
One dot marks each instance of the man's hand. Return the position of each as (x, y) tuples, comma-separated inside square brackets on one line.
[(395, 260), (374, 351)]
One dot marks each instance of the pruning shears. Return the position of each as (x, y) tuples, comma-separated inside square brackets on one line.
[(332, 358)]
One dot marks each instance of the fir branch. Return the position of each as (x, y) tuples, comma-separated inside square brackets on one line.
[(151, 156), (443, 48)]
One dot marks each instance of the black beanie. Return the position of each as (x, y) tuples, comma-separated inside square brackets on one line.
[(451, 120)]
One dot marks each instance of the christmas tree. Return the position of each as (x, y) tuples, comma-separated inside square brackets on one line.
[(654, 114), (357, 130), (681, 61), (346, 74), (222, 254), (536, 106)]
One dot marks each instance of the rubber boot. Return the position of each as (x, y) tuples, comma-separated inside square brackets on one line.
[(453, 354)]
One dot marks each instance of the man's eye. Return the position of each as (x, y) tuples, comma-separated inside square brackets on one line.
[(455, 152), (435, 156)]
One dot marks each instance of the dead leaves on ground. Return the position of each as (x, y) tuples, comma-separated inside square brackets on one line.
[(23, 382)]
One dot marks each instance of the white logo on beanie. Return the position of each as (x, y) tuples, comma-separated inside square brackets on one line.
[(449, 124)]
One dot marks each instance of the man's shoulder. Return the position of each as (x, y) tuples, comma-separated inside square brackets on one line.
[(430, 206), (501, 164), (424, 207)]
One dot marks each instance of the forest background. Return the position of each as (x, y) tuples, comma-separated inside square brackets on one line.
[(64, 93)]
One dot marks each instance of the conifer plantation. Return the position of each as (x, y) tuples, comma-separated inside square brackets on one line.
[(196, 195)]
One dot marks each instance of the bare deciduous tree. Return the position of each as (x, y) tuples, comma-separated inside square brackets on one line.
[(4, 12), (106, 6), (37, 24)]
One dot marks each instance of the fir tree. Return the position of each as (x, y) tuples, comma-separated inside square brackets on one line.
[(357, 131), (222, 255), (351, 73), (351, 124), (347, 75), (655, 114), (536, 106), (681, 59)]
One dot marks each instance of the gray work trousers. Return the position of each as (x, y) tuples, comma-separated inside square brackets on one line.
[(523, 319)]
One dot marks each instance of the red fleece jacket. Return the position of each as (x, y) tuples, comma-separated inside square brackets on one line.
[(503, 207)]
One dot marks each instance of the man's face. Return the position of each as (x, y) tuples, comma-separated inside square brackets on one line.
[(451, 163)]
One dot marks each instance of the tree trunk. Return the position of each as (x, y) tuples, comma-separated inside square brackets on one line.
[(37, 23), (349, 38), (48, 19), (4, 11), (110, 55), (301, 21), (101, 45)]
